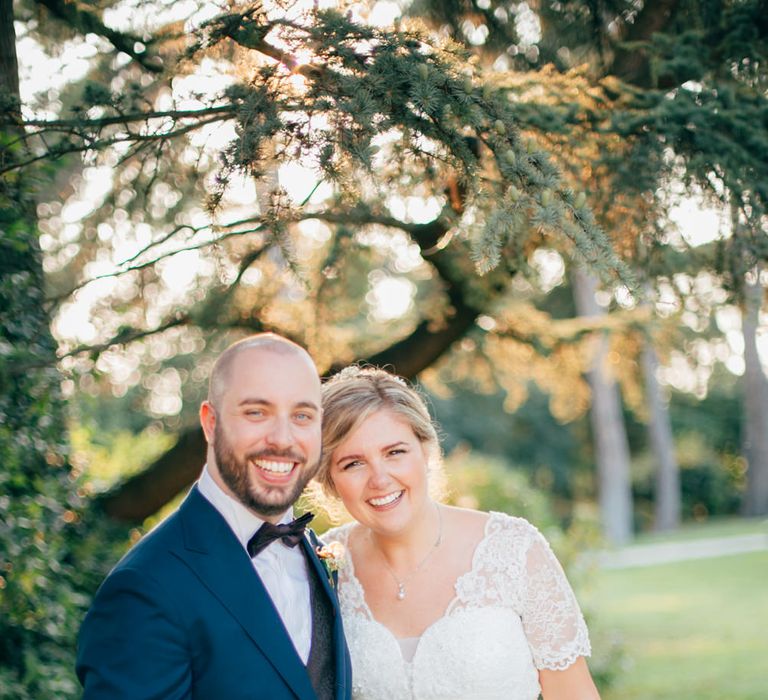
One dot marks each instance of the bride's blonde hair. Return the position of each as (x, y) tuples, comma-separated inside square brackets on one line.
[(355, 394)]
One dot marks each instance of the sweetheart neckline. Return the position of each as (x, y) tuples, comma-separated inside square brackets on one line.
[(451, 603)]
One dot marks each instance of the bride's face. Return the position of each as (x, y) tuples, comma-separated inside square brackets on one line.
[(380, 473)]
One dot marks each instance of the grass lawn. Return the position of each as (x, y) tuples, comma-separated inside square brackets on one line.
[(724, 527), (693, 630)]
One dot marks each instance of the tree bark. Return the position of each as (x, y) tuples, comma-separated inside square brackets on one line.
[(36, 544), (138, 497), (755, 406), (9, 65), (608, 430), (667, 495)]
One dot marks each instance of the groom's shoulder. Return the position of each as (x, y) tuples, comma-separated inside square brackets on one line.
[(151, 550)]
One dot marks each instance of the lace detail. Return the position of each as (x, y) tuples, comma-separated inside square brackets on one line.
[(514, 612)]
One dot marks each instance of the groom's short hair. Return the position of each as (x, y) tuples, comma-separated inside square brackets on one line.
[(222, 368)]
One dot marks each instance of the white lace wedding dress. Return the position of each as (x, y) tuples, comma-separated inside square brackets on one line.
[(513, 613)]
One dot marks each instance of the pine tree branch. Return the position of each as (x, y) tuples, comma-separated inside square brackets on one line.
[(87, 22), (129, 335), (567, 331), (630, 63), (95, 123), (150, 263), (122, 337), (90, 143), (425, 235)]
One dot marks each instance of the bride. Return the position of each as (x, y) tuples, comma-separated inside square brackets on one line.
[(438, 602)]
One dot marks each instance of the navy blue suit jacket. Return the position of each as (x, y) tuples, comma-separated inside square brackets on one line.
[(184, 615)]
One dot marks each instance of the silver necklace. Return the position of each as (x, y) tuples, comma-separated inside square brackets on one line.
[(401, 582)]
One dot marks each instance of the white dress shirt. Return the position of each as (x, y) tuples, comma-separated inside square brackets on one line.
[(282, 569)]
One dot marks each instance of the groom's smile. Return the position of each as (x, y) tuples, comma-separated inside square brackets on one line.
[(276, 469)]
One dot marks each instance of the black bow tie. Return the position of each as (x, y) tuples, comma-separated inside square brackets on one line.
[(290, 533)]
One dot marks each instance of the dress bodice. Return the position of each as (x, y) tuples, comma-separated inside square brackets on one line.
[(513, 613)]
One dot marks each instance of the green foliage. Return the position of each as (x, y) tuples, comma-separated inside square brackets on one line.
[(368, 94), (708, 450), (106, 458), (530, 438), (488, 483), (711, 483), (40, 606), (474, 480), (52, 552)]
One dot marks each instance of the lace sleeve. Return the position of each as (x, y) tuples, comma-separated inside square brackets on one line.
[(554, 625)]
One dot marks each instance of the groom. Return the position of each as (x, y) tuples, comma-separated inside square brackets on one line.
[(227, 597)]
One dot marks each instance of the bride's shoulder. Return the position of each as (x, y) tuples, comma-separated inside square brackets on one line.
[(492, 521), (494, 525), (489, 529), (472, 524)]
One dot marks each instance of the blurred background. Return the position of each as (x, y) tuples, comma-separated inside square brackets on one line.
[(550, 216)]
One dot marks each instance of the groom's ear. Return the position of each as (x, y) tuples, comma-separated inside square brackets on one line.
[(208, 420)]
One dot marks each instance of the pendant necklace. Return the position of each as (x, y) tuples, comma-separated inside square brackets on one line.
[(401, 582)]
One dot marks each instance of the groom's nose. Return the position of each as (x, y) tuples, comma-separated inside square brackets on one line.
[(280, 433)]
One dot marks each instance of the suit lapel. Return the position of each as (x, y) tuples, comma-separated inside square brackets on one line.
[(309, 542), (343, 669), (214, 554)]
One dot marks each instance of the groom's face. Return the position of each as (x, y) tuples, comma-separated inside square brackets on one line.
[(265, 429)]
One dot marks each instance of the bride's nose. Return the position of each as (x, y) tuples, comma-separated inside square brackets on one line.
[(378, 475)]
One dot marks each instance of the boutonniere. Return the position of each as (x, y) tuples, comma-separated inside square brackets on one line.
[(331, 557)]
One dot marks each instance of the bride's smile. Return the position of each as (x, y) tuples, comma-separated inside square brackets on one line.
[(380, 472)]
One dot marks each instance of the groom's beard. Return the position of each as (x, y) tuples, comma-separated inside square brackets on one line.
[(238, 476)]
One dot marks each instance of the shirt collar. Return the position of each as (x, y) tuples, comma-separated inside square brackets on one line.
[(240, 519)]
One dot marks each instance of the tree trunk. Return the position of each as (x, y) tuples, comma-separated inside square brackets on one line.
[(9, 66), (38, 606), (30, 402), (755, 406), (608, 430), (667, 496)]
